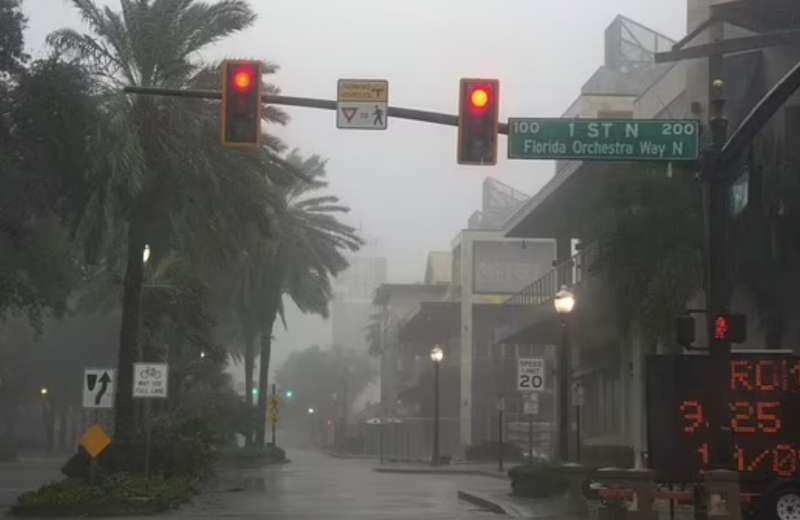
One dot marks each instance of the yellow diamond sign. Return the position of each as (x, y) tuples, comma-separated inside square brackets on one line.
[(95, 440)]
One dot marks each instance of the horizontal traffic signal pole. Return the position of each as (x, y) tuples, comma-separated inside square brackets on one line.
[(425, 116)]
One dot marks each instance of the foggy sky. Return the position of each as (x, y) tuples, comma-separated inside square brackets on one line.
[(403, 185)]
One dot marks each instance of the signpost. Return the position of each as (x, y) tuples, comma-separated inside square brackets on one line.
[(98, 387), (530, 374), (362, 104), (530, 406), (94, 441), (603, 139), (149, 382), (274, 409)]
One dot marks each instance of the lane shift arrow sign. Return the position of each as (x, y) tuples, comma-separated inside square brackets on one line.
[(104, 381)]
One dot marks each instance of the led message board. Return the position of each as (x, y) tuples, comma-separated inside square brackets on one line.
[(764, 415)]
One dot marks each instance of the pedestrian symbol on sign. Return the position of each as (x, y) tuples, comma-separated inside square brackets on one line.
[(378, 113)]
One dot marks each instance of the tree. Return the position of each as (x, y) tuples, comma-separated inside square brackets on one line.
[(649, 230), (307, 250), (12, 25), (315, 377), (768, 235), (375, 332), (45, 142), (163, 179)]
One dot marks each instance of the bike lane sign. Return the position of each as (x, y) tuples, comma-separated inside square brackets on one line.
[(150, 380)]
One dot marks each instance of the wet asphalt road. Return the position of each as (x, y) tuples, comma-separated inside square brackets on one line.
[(25, 475), (312, 486), (315, 486)]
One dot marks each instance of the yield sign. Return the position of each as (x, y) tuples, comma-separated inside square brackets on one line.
[(349, 112)]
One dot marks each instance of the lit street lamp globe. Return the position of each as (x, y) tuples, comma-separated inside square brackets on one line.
[(437, 354), (310, 410), (564, 301), (43, 391)]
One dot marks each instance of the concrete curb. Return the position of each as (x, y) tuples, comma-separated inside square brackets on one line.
[(483, 502), (497, 505), (350, 457), (440, 471)]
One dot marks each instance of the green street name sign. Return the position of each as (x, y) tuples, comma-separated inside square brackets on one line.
[(603, 139)]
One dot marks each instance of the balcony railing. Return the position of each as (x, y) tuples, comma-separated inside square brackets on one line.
[(569, 272)]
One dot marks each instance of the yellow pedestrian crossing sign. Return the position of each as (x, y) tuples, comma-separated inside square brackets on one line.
[(274, 408)]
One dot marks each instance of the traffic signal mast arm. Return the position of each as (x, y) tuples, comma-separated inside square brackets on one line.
[(324, 104)]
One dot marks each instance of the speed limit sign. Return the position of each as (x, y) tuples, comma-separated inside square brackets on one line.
[(530, 374)]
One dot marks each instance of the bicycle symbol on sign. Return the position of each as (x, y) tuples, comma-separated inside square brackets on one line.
[(150, 372)]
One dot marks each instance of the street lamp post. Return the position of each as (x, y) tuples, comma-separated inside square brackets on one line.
[(437, 355), (564, 303), (47, 418)]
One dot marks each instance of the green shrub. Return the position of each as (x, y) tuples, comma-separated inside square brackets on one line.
[(66, 493), (170, 492), (115, 494), (537, 479)]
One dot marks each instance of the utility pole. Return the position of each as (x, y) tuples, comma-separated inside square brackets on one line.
[(715, 202), (274, 411), (563, 394), (501, 406)]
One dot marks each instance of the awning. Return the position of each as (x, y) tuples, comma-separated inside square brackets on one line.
[(437, 322), (556, 209), (433, 322), (530, 325), (760, 15)]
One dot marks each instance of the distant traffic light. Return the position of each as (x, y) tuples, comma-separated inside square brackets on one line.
[(241, 103), (254, 392), (730, 328), (478, 112), (289, 394)]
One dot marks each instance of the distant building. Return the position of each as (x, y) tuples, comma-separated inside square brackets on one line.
[(500, 201), (352, 302)]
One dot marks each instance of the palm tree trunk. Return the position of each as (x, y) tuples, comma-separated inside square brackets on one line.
[(249, 363), (263, 373), (249, 366), (125, 423)]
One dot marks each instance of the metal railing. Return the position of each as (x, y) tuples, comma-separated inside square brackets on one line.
[(569, 272)]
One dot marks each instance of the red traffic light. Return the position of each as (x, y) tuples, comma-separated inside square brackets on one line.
[(730, 328), (241, 103), (721, 328), (478, 113), (243, 78), (479, 98)]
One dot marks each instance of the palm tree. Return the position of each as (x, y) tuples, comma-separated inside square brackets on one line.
[(164, 180), (308, 249)]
